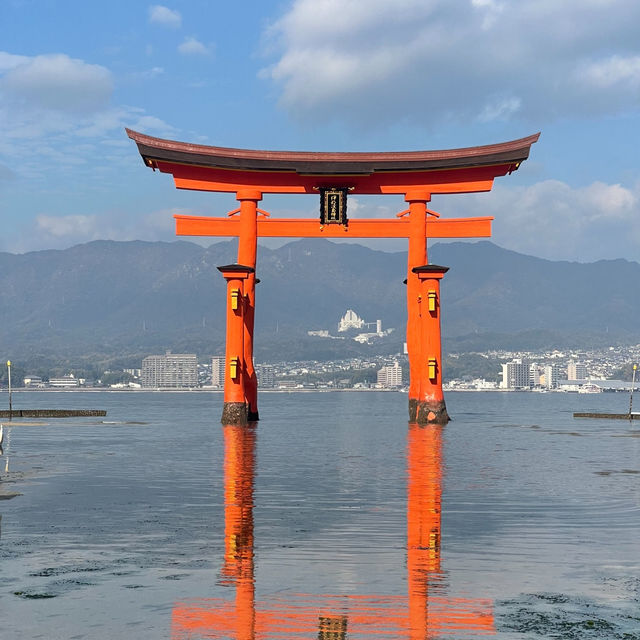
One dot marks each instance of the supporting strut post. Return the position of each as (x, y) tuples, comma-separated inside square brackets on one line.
[(428, 405), (236, 408)]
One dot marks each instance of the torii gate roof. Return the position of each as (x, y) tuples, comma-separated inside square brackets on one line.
[(210, 168)]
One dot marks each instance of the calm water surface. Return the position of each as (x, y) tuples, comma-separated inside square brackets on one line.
[(332, 519)]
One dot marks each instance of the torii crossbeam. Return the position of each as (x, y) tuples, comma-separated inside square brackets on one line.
[(416, 175)]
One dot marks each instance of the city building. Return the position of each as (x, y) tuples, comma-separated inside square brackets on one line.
[(477, 384), (172, 370), (33, 381), (390, 376), (535, 375), (288, 384), (515, 374), (551, 376), (64, 382), (266, 376), (576, 371), (217, 371)]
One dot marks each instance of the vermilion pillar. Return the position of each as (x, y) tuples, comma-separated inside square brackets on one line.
[(236, 405), (428, 404), (247, 250), (417, 256), (426, 400)]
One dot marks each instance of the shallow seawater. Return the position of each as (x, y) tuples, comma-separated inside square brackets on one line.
[(333, 518)]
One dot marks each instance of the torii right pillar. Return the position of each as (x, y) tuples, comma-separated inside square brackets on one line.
[(424, 348)]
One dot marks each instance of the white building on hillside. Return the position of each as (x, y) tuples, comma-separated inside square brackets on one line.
[(350, 320)]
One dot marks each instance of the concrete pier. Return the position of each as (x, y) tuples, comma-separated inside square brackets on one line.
[(52, 413)]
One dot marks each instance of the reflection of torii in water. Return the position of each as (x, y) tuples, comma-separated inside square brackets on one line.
[(419, 617)]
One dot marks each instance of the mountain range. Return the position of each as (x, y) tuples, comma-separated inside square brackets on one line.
[(111, 303)]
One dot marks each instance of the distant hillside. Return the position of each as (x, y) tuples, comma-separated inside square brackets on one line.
[(493, 289), (113, 302)]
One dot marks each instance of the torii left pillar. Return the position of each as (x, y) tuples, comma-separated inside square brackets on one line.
[(238, 409), (241, 391)]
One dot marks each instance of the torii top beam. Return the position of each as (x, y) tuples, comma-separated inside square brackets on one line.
[(207, 168)]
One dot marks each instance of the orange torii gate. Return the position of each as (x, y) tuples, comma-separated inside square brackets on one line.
[(416, 175)]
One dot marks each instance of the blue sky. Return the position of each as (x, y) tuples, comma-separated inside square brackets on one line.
[(343, 75)]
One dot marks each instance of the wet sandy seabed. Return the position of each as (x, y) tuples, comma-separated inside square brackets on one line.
[(513, 521)]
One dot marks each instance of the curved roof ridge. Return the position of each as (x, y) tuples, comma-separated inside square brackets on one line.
[(265, 156)]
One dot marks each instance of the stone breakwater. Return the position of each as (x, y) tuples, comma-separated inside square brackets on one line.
[(52, 413), (609, 416)]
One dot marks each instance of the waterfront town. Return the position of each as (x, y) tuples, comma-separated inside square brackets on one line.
[(572, 370), (585, 371)]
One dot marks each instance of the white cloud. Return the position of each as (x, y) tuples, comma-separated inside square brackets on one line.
[(150, 124), (64, 226), (193, 46), (491, 10), (433, 60), (552, 220), (160, 14), (10, 61), (500, 109), (549, 219), (160, 225), (148, 74), (67, 230), (114, 120), (612, 71), (57, 82), (56, 117)]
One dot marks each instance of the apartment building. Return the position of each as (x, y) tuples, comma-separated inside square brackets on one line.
[(172, 370)]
